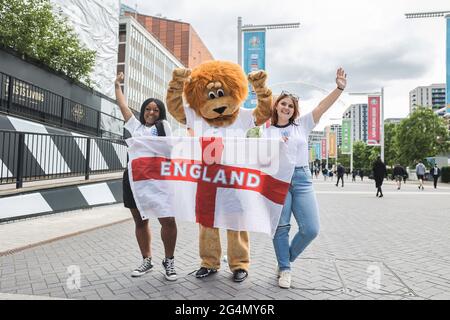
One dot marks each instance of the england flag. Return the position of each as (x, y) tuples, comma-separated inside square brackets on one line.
[(230, 183)]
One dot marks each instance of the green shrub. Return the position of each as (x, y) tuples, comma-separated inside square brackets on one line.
[(445, 173), (30, 28)]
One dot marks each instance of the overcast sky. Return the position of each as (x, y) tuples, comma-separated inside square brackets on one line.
[(371, 40)]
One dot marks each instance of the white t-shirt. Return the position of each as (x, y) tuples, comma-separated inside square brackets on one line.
[(297, 133), (238, 128), (137, 129)]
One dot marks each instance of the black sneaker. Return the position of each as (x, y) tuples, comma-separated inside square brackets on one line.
[(240, 275), (204, 272), (145, 267), (169, 265)]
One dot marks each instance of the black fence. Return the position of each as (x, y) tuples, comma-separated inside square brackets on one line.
[(29, 101), (28, 157)]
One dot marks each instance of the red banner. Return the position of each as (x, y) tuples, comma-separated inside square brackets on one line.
[(324, 148), (373, 125)]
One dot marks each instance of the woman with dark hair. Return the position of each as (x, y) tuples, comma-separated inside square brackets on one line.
[(379, 172), (301, 199), (152, 122)]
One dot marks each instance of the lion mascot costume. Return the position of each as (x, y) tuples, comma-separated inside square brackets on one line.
[(214, 92)]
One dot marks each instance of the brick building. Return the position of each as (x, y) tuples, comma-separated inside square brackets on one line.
[(178, 37)]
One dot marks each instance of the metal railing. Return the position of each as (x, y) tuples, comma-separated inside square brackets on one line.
[(27, 100), (28, 157)]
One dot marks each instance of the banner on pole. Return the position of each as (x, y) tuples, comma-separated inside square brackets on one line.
[(346, 147), (373, 125), (318, 147), (332, 150), (254, 59), (324, 148)]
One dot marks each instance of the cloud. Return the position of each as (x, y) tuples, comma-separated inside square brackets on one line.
[(372, 40)]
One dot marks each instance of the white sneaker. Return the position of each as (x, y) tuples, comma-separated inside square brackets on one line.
[(169, 265), (285, 279), (145, 267)]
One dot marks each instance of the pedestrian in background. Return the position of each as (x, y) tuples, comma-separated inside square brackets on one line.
[(420, 172), (379, 173), (325, 174), (435, 172), (340, 174), (354, 173), (398, 173), (361, 174)]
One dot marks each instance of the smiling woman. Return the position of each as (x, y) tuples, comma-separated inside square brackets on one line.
[(152, 122), (294, 129)]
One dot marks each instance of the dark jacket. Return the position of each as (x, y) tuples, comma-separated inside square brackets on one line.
[(340, 170), (432, 172), (379, 172), (398, 171)]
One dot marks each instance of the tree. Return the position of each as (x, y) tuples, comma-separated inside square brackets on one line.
[(343, 159), (359, 155), (30, 28), (372, 153), (423, 134), (390, 145)]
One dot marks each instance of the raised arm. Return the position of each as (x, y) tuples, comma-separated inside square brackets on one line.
[(174, 97), (263, 109), (126, 112), (325, 104)]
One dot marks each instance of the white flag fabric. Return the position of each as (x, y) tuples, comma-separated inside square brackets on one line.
[(230, 183)]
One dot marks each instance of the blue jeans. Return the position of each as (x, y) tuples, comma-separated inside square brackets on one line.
[(300, 200)]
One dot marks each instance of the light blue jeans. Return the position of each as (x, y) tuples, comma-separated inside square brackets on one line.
[(300, 200)]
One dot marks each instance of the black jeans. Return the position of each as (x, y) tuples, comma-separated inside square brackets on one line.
[(435, 178), (342, 178)]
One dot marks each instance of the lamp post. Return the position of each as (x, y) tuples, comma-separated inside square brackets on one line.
[(380, 94), (250, 27)]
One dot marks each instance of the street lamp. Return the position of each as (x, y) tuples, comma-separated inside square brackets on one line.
[(380, 94), (251, 27)]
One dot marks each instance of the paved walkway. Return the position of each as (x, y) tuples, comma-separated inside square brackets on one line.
[(396, 247)]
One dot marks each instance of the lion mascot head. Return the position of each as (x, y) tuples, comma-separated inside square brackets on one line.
[(216, 91)]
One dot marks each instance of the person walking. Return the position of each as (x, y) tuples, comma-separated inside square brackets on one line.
[(340, 174), (435, 173), (398, 173), (152, 122), (325, 174), (354, 173), (361, 174), (301, 199), (379, 173), (420, 172)]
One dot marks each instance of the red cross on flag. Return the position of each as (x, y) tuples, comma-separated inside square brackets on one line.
[(230, 183)]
